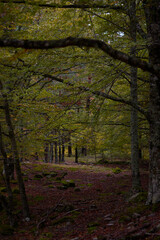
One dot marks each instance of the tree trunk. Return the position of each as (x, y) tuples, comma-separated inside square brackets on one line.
[(69, 146), (51, 153), (56, 152), (76, 155), (63, 149), (46, 152), (136, 183), (25, 205), (59, 150), (152, 12), (9, 205)]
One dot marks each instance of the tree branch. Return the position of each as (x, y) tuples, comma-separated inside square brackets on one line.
[(101, 94), (70, 6), (82, 42)]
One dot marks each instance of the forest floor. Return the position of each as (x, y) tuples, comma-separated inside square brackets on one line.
[(83, 202)]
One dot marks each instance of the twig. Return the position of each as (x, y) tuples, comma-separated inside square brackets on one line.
[(43, 220)]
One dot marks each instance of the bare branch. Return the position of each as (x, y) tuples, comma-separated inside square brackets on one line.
[(70, 6), (82, 42)]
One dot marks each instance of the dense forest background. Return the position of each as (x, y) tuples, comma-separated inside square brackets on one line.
[(79, 78)]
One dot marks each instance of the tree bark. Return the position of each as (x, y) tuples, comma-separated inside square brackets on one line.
[(136, 183), (25, 205), (56, 152), (60, 149), (8, 205), (46, 152), (63, 149), (152, 12), (69, 146), (76, 155), (51, 153)]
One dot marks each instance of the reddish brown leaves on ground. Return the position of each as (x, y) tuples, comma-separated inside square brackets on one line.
[(84, 203)]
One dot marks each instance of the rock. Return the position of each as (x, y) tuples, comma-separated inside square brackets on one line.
[(93, 206), (68, 183), (77, 189), (107, 218), (134, 196), (38, 176), (143, 218), (136, 215), (108, 215), (110, 224)]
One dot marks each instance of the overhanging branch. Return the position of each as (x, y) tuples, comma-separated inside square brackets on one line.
[(67, 6), (82, 42)]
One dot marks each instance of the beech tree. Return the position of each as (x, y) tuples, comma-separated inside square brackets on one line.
[(151, 10)]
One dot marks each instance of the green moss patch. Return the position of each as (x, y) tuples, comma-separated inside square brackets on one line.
[(62, 220), (116, 170), (16, 191), (3, 189), (6, 230), (38, 198), (38, 176), (91, 227), (68, 183)]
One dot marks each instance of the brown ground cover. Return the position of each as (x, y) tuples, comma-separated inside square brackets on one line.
[(80, 202)]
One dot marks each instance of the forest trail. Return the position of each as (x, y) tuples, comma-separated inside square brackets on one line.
[(84, 202)]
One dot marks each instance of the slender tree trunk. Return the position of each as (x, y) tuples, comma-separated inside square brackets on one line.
[(51, 153), (8, 206), (60, 149), (76, 155), (63, 149), (56, 152), (46, 152), (69, 146), (25, 205), (136, 183)]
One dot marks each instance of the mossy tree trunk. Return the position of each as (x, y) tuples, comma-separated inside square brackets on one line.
[(136, 183), (25, 205)]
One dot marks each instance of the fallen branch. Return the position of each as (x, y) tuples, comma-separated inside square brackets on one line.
[(41, 223)]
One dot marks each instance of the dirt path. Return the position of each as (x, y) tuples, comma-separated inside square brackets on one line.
[(84, 203)]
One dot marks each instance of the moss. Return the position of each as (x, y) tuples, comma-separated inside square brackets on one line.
[(62, 220), (108, 175), (62, 187), (38, 198), (65, 208), (50, 186), (6, 230), (89, 184), (68, 183), (16, 191), (46, 236), (155, 207), (14, 182), (116, 170), (25, 179), (157, 238), (102, 161), (91, 227), (102, 195), (58, 179), (139, 197), (38, 176), (124, 219), (139, 208), (77, 189), (3, 189)]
